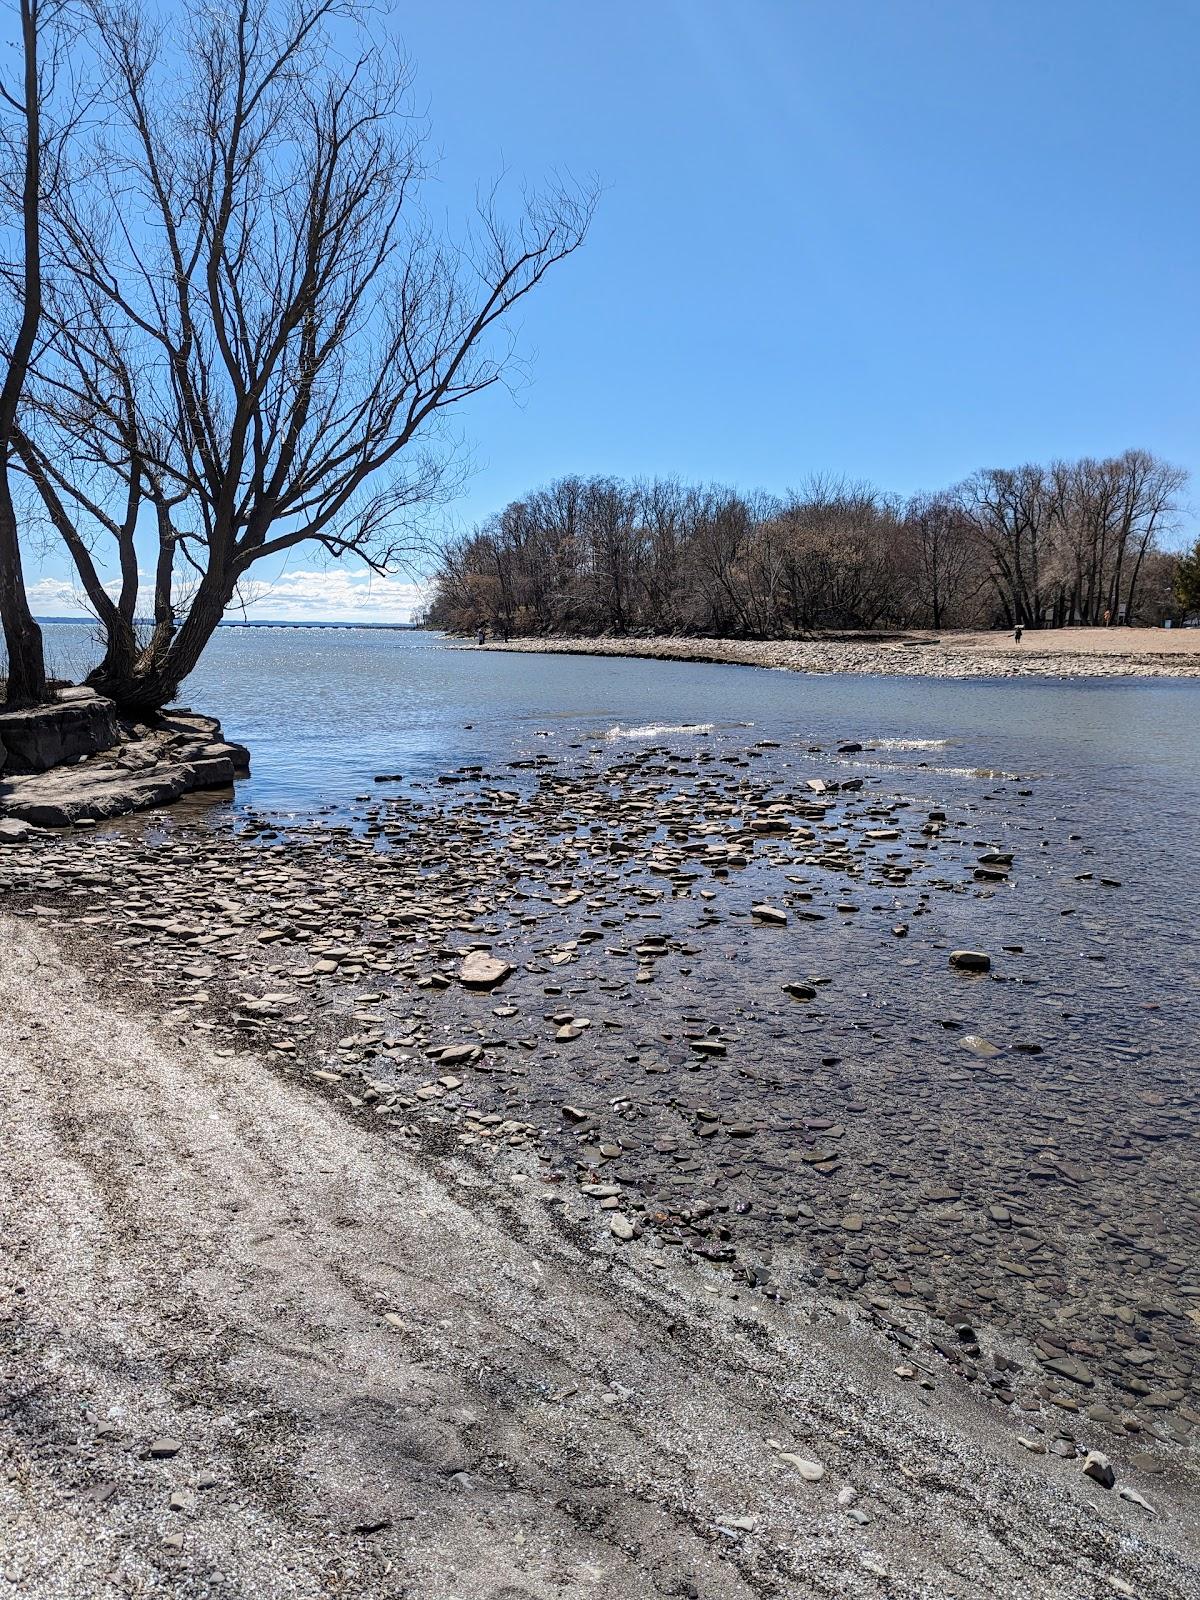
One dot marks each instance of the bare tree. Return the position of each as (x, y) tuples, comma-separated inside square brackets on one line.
[(31, 149), (592, 555), (615, 549), (1106, 517), (1011, 511), (1149, 491), (271, 325), (82, 450), (946, 580)]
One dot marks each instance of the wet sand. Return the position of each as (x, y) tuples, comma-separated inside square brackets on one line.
[(1048, 652), (684, 1180)]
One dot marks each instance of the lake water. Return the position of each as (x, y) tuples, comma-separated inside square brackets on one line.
[(324, 710), (1110, 769)]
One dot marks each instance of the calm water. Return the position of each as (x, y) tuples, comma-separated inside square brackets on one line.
[(1097, 775), (324, 710)]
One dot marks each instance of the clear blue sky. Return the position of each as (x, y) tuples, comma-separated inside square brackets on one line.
[(897, 239)]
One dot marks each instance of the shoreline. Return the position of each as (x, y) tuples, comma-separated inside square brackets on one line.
[(541, 1272), (1063, 653), (250, 1365), (77, 760)]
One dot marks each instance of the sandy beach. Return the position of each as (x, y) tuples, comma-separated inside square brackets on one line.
[(1051, 652), (253, 1347)]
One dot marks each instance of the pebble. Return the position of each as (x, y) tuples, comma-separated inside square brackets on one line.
[(970, 961), (163, 1449), (1098, 1467), (770, 914), (480, 971)]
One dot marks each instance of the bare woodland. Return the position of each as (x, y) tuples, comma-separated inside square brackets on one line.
[(1074, 543)]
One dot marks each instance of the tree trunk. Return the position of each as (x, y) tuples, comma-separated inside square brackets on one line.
[(120, 654), (152, 681), (22, 636)]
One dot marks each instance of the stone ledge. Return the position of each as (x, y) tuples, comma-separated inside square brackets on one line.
[(144, 766), (78, 723), (90, 793)]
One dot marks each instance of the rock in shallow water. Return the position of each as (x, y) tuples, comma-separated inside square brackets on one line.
[(480, 971), (970, 961)]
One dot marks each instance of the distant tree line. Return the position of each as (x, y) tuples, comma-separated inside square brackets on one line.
[(1076, 542)]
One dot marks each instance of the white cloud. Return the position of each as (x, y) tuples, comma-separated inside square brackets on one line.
[(59, 597), (336, 595)]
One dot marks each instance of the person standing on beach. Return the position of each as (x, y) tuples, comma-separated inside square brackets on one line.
[(1018, 631)]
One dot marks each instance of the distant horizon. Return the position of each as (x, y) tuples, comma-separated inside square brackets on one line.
[(84, 618)]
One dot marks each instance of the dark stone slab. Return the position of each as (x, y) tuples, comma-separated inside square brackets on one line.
[(38, 738)]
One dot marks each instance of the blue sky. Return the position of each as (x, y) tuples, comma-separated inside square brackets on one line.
[(897, 239)]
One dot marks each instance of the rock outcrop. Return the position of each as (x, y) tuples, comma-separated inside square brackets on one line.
[(77, 761), (77, 723)]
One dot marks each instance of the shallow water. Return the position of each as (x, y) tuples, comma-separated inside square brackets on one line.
[(324, 710)]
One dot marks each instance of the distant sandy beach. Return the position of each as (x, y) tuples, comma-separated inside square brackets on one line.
[(1054, 653)]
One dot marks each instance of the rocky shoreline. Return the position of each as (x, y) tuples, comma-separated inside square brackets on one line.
[(257, 1340), (1069, 653), (76, 762), (632, 982)]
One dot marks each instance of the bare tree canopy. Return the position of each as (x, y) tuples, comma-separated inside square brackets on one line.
[(256, 323), (1071, 543)]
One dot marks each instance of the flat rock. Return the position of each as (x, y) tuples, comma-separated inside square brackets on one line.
[(93, 793), (480, 971), (36, 738), (14, 831), (800, 991), (771, 915), (163, 1449)]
